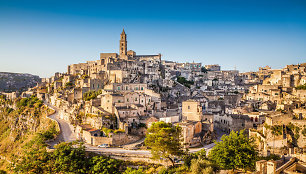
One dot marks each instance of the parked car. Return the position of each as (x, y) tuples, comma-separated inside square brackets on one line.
[(103, 145)]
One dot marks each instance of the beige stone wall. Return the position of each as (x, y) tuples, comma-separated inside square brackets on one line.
[(101, 140), (301, 94), (192, 110), (108, 55), (302, 139), (115, 76)]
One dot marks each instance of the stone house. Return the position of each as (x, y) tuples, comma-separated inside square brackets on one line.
[(232, 122), (191, 131), (191, 110)]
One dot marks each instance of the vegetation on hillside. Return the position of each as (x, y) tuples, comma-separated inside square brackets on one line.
[(183, 81), (91, 95), (301, 87), (66, 158), (21, 125)]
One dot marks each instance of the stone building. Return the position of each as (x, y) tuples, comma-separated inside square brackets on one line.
[(192, 110)]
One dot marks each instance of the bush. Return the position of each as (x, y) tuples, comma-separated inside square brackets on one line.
[(190, 156), (29, 102), (184, 82), (101, 164), (277, 130), (69, 84), (106, 131), (199, 166), (91, 95), (119, 131), (134, 171), (2, 172), (304, 132), (301, 87)]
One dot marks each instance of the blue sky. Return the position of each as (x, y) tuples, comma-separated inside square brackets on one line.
[(43, 37)]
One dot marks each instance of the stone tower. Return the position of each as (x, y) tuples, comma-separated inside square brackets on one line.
[(123, 44)]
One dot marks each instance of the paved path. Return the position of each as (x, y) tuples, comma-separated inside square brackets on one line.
[(66, 133)]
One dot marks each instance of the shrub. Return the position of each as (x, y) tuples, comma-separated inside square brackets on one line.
[(304, 132), (301, 87), (199, 166), (134, 171), (91, 95), (184, 82), (69, 84), (119, 131)]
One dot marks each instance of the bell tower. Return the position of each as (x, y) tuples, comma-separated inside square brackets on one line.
[(123, 44)]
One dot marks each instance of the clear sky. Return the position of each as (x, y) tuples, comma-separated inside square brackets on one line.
[(43, 37)]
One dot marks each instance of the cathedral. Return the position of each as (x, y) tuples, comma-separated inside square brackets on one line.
[(120, 67)]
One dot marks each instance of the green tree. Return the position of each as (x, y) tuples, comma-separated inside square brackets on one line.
[(188, 157), (234, 151), (134, 171), (35, 160), (203, 69), (101, 164), (183, 81), (68, 158), (164, 141)]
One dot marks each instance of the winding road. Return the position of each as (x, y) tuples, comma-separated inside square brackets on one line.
[(67, 135)]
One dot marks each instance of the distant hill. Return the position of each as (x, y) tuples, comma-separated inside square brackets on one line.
[(10, 82)]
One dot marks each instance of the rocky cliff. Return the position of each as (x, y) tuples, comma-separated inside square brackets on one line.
[(10, 82)]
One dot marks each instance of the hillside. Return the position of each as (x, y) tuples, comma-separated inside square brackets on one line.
[(10, 82), (23, 123)]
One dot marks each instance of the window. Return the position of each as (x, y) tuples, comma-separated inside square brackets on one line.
[(127, 100), (118, 101), (136, 88), (188, 107), (135, 99), (118, 87), (141, 88), (127, 88)]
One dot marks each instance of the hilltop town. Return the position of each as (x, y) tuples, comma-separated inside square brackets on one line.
[(115, 99)]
